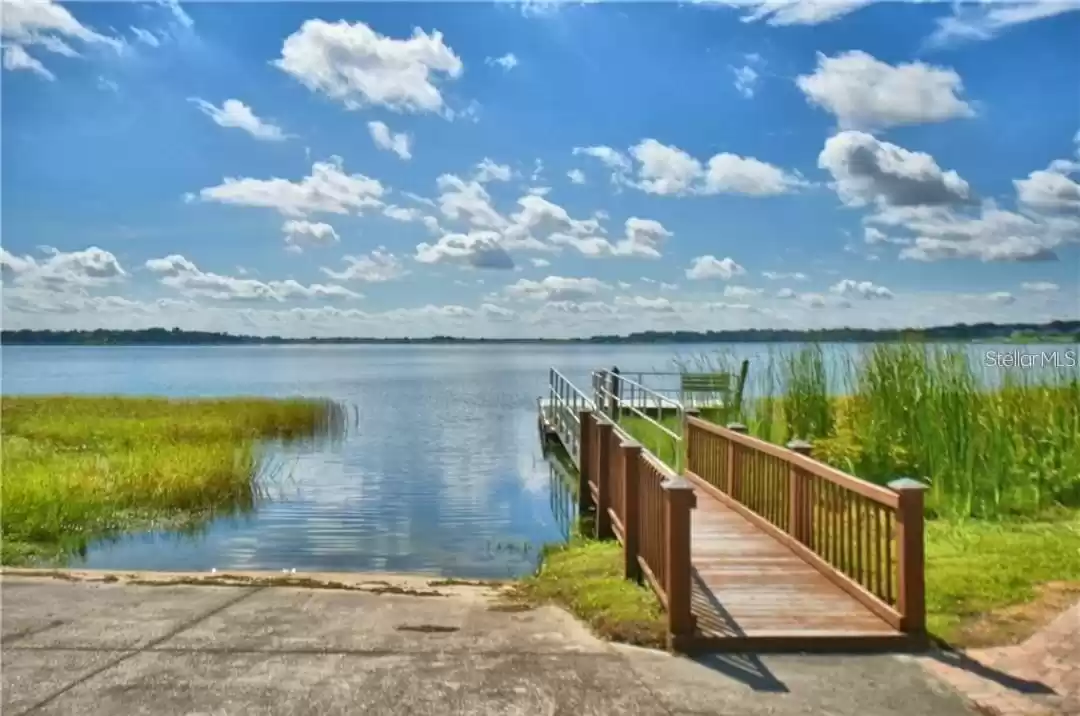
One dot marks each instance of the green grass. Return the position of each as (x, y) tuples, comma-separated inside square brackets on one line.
[(77, 469), (585, 577)]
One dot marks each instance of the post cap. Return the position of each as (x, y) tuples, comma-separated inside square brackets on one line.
[(677, 482), (799, 446), (692, 411), (630, 444), (737, 427), (907, 483)]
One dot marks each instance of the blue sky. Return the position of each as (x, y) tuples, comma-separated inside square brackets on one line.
[(543, 169)]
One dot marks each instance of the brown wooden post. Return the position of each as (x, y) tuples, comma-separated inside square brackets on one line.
[(733, 467), (602, 444), (631, 455), (911, 555), (800, 514), (616, 391), (585, 457), (688, 442), (679, 500)]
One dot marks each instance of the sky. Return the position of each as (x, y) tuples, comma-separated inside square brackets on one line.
[(538, 169)]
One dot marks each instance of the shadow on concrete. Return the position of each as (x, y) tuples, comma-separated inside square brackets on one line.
[(746, 668), (960, 660)]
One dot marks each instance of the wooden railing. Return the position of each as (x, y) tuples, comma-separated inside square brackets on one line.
[(866, 538), (645, 506)]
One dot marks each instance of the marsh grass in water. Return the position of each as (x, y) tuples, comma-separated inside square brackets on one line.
[(77, 469)]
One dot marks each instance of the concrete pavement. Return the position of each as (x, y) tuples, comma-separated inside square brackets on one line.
[(386, 645)]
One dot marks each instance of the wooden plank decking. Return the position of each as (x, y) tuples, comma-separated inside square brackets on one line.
[(752, 592)]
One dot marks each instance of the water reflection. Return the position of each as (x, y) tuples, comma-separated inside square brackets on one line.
[(564, 502)]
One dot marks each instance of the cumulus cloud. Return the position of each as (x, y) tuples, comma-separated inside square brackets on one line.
[(643, 239), (743, 292), (357, 66), (61, 271), (611, 158), (327, 190), (477, 249), (301, 234), (746, 78), (670, 171), (1040, 287), (779, 276), (177, 272), (710, 267), (868, 170), (1049, 191), (861, 289), (576, 176), (377, 267), (865, 93), (235, 114), (399, 143), (540, 263), (556, 288), (508, 61), (489, 171), (49, 26)]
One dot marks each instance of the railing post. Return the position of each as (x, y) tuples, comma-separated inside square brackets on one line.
[(799, 516), (616, 389), (911, 555), (631, 455), (585, 448), (688, 442), (602, 444), (733, 467), (679, 500)]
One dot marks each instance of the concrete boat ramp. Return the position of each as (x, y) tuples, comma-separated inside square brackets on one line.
[(125, 643)]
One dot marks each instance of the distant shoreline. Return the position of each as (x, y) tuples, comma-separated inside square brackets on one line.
[(1053, 332)]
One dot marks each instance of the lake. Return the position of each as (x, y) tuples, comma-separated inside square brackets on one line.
[(442, 474)]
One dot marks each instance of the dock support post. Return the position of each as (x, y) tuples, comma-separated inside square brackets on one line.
[(585, 461), (631, 455), (800, 514), (603, 474), (616, 400), (911, 556), (679, 500)]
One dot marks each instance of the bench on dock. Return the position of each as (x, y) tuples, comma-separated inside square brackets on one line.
[(723, 389), (751, 546)]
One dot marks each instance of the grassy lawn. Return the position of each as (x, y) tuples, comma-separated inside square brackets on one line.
[(586, 578), (81, 468)]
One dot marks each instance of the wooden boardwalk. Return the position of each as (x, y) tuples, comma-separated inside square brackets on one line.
[(781, 549)]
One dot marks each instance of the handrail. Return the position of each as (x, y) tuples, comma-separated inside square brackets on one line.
[(600, 390)]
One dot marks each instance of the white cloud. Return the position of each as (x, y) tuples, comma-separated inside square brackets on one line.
[(508, 61), (467, 201), (377, 267), (234, 113), (785, 293), (399, 144), (983, 21), (556, 288), (643, 239), (746, 78), (862, 289), (647, 305), (145, 36), (1001, 297), (668, 170), (540, 263), (743, 292), (62, 271), (779, 276), (16, 58), (497, 313), (709, 267), (1049, 191), (478, 249), (865, 93), (328, 189), (1040, 287), (792, 12), (614, 160), (576, 176), (868, 170), (404, 214), (488, 171), (356, 65), (181, 274), (47, 24), (873, 236), (300, 234)]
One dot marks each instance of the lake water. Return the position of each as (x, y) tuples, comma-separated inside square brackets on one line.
[(442, 474)]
